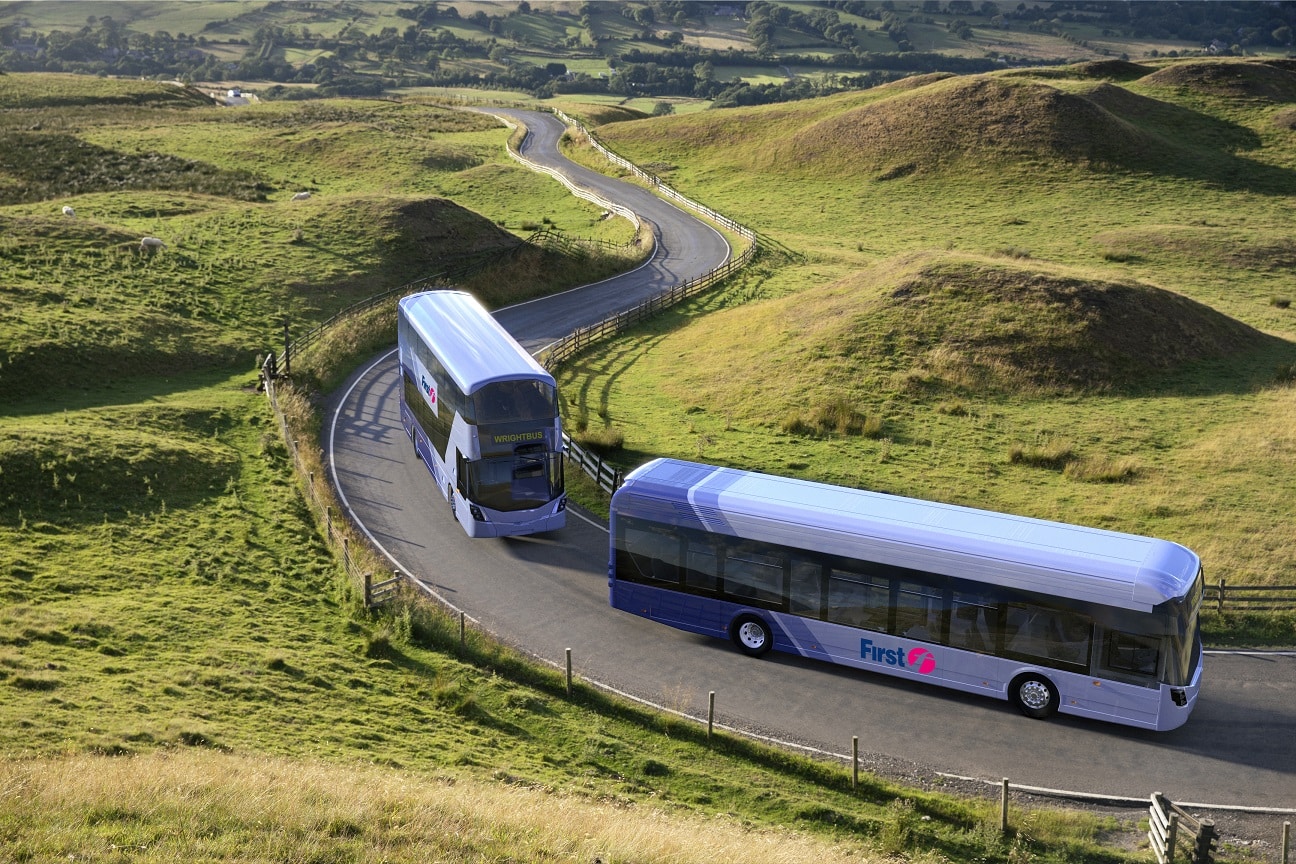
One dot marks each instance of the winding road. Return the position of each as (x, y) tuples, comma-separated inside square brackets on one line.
[(548, 593)]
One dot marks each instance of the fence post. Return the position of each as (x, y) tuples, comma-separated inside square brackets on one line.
[(854, 761), (1219, 601), (368, 590), (287, 361), (1286, 841), (462, 627), (710, 714), (1003, 808), (569, 675), (1202, 852)]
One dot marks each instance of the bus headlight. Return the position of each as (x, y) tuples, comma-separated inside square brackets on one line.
[(562, 504), (476, 513), (1179, 696)]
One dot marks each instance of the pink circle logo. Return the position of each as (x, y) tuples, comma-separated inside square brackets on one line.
[(922, 660)]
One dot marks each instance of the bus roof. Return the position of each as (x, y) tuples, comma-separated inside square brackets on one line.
[(1072, 561), (472, 346)]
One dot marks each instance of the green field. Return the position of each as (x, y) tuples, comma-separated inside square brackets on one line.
[(1093, 264), (186, 671)]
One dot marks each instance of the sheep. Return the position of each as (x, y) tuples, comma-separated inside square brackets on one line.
[(301, 196), (68, 211), (151, 243)]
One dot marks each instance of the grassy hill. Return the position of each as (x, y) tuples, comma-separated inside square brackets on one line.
[(185, 671), (1064, 293)]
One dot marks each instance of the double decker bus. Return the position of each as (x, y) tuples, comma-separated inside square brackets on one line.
[(483, 416), (1049, 616)]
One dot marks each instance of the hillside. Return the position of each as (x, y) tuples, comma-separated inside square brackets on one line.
[(1095, 117), (166, 588), (984, 325), (967, 267)]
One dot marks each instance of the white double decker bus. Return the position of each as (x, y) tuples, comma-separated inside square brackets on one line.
[(1050, 616), (483, 416)]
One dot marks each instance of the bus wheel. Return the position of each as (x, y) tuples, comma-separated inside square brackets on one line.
[(752, 636), (450, 495), (1035, 695)]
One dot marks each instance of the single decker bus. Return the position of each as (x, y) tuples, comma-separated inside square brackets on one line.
[(1049, 616), (483, 416)]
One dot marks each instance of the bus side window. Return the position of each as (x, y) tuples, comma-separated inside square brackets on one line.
[(653, 555), (918, 612), (751, 573), (858, 600), (805, 594), (701, 565), (1130, 652), (971, 625), (1054, 635)]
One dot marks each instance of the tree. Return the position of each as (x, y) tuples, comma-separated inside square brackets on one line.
[(662, 109)]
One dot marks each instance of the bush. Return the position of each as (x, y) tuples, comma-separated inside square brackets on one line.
[(1054, 454), (898, 829), (838, 417), (1101, 470), (605, 441)]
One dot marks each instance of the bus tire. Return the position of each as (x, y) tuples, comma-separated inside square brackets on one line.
[(450, 495), (1034, 695), (752, 635)]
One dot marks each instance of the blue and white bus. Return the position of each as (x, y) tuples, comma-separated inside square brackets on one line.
[(483, 416), (1049, 616)]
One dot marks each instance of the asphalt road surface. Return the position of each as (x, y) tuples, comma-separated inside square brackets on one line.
[(546, 594)]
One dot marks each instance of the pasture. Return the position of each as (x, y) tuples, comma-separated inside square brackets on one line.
[(1094, 262)]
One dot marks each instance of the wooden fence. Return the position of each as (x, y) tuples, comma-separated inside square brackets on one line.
[(578, 340), (1177, 835), (1251, 598), (336, 532), (605, 474)]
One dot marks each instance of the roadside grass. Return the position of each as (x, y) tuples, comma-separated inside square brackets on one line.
[(276, 809), (900, 301)]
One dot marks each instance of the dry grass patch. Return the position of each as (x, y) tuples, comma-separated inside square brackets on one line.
[(207, 806)]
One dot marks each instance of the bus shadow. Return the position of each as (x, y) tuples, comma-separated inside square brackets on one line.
[(1222, 729)]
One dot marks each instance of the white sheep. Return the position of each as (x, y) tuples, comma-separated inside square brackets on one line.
[(151, 243), (301, 196), (68, 211)]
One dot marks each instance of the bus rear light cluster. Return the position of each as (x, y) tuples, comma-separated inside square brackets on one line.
[(1179, 696)]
